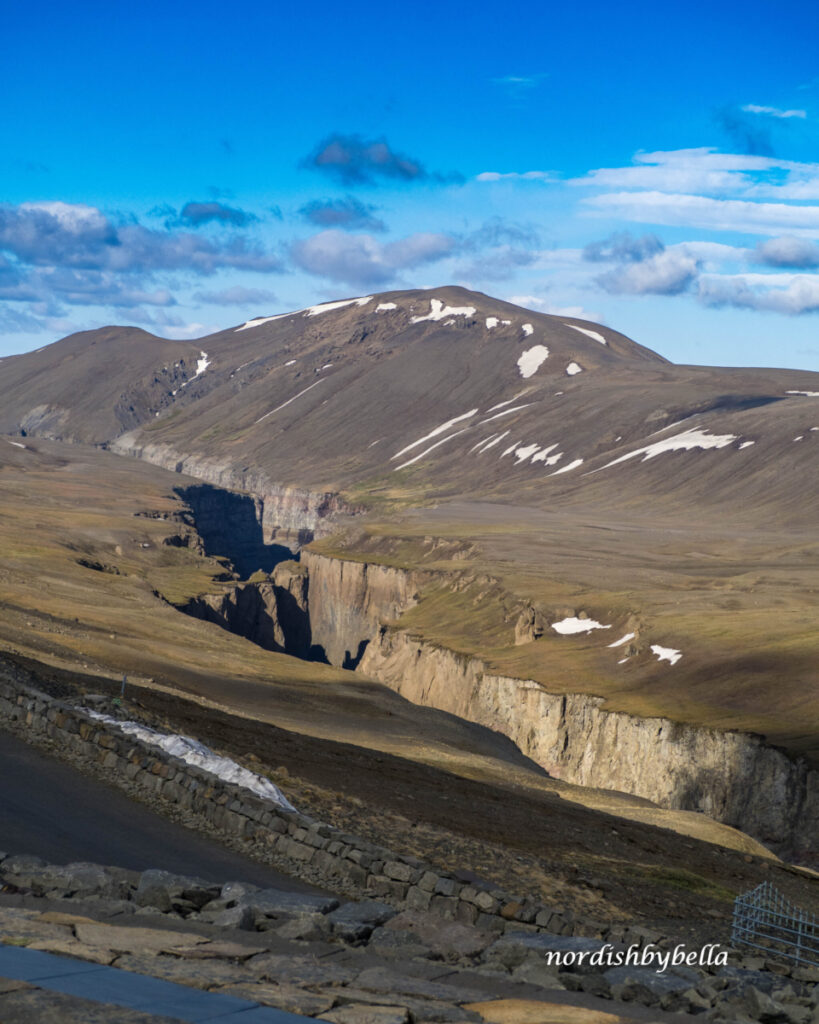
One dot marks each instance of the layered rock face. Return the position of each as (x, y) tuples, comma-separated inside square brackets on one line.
[(348, 601), (731, 776)]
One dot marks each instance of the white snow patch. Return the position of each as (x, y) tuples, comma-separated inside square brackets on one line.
[(531, 360), (193, 752), (384, 307), (569, 468), (481, 443), (522, 454), (491, 321), (432, 447), (327, 307), (290, 362), (265, 320), (511, 448), (293, 399), (434, 433), (202, 363), (800, 438), (492, 444), (666, 653), (807, 394), (623, 640), (17, 444), (506, 412), (685, 441), (573, 368), (572, 624), (542, 455), (502, 405), (528, 329), (622, 661), (586, 331), (438, 311)]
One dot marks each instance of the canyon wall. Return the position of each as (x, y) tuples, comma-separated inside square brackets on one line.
[(734, 777), (348, 613), (289, 515)]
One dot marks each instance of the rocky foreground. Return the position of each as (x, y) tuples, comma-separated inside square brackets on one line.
[(362, 962)]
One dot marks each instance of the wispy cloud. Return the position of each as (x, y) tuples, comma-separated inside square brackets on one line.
[(237, 295), (752, 108), (516, 176), (712, 214), (517, 86)]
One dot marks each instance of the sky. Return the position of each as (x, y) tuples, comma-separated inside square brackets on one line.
[(185, 167)]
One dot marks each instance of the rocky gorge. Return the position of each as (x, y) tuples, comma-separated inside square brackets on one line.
[(347, 611)]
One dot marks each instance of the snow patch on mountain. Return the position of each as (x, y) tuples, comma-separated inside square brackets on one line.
[(438, 311), (573, 624), (686, 441), (590, 334), (532, 359), (666, 653), (434, 433)]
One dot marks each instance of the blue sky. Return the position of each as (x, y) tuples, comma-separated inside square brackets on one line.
[(185, 167)]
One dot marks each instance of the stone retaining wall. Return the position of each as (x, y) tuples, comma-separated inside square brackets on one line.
[(329, 855)]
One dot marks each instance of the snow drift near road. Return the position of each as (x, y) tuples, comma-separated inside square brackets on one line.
[(195, 753)]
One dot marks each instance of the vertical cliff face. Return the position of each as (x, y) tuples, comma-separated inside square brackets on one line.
[(290, 516), (348, 601), (731, 776)]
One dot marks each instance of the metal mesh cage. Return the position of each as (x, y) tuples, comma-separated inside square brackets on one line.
[(765, 920)]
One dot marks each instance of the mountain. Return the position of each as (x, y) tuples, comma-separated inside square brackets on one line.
[(441, 393), (570, 512)]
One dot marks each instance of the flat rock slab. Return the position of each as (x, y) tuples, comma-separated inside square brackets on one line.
[(93, 954), (528, 1011), (36, 1006), (300, 970), (135, 940), (283, 997), (421, 1009), (219, 950), (362, 1014), (200, 974), (386, 980)]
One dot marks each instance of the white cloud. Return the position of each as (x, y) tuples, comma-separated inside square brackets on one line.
[(778, 293), (752, 108), (516, 176), (666, 273), (713, 214), (362, 259)]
